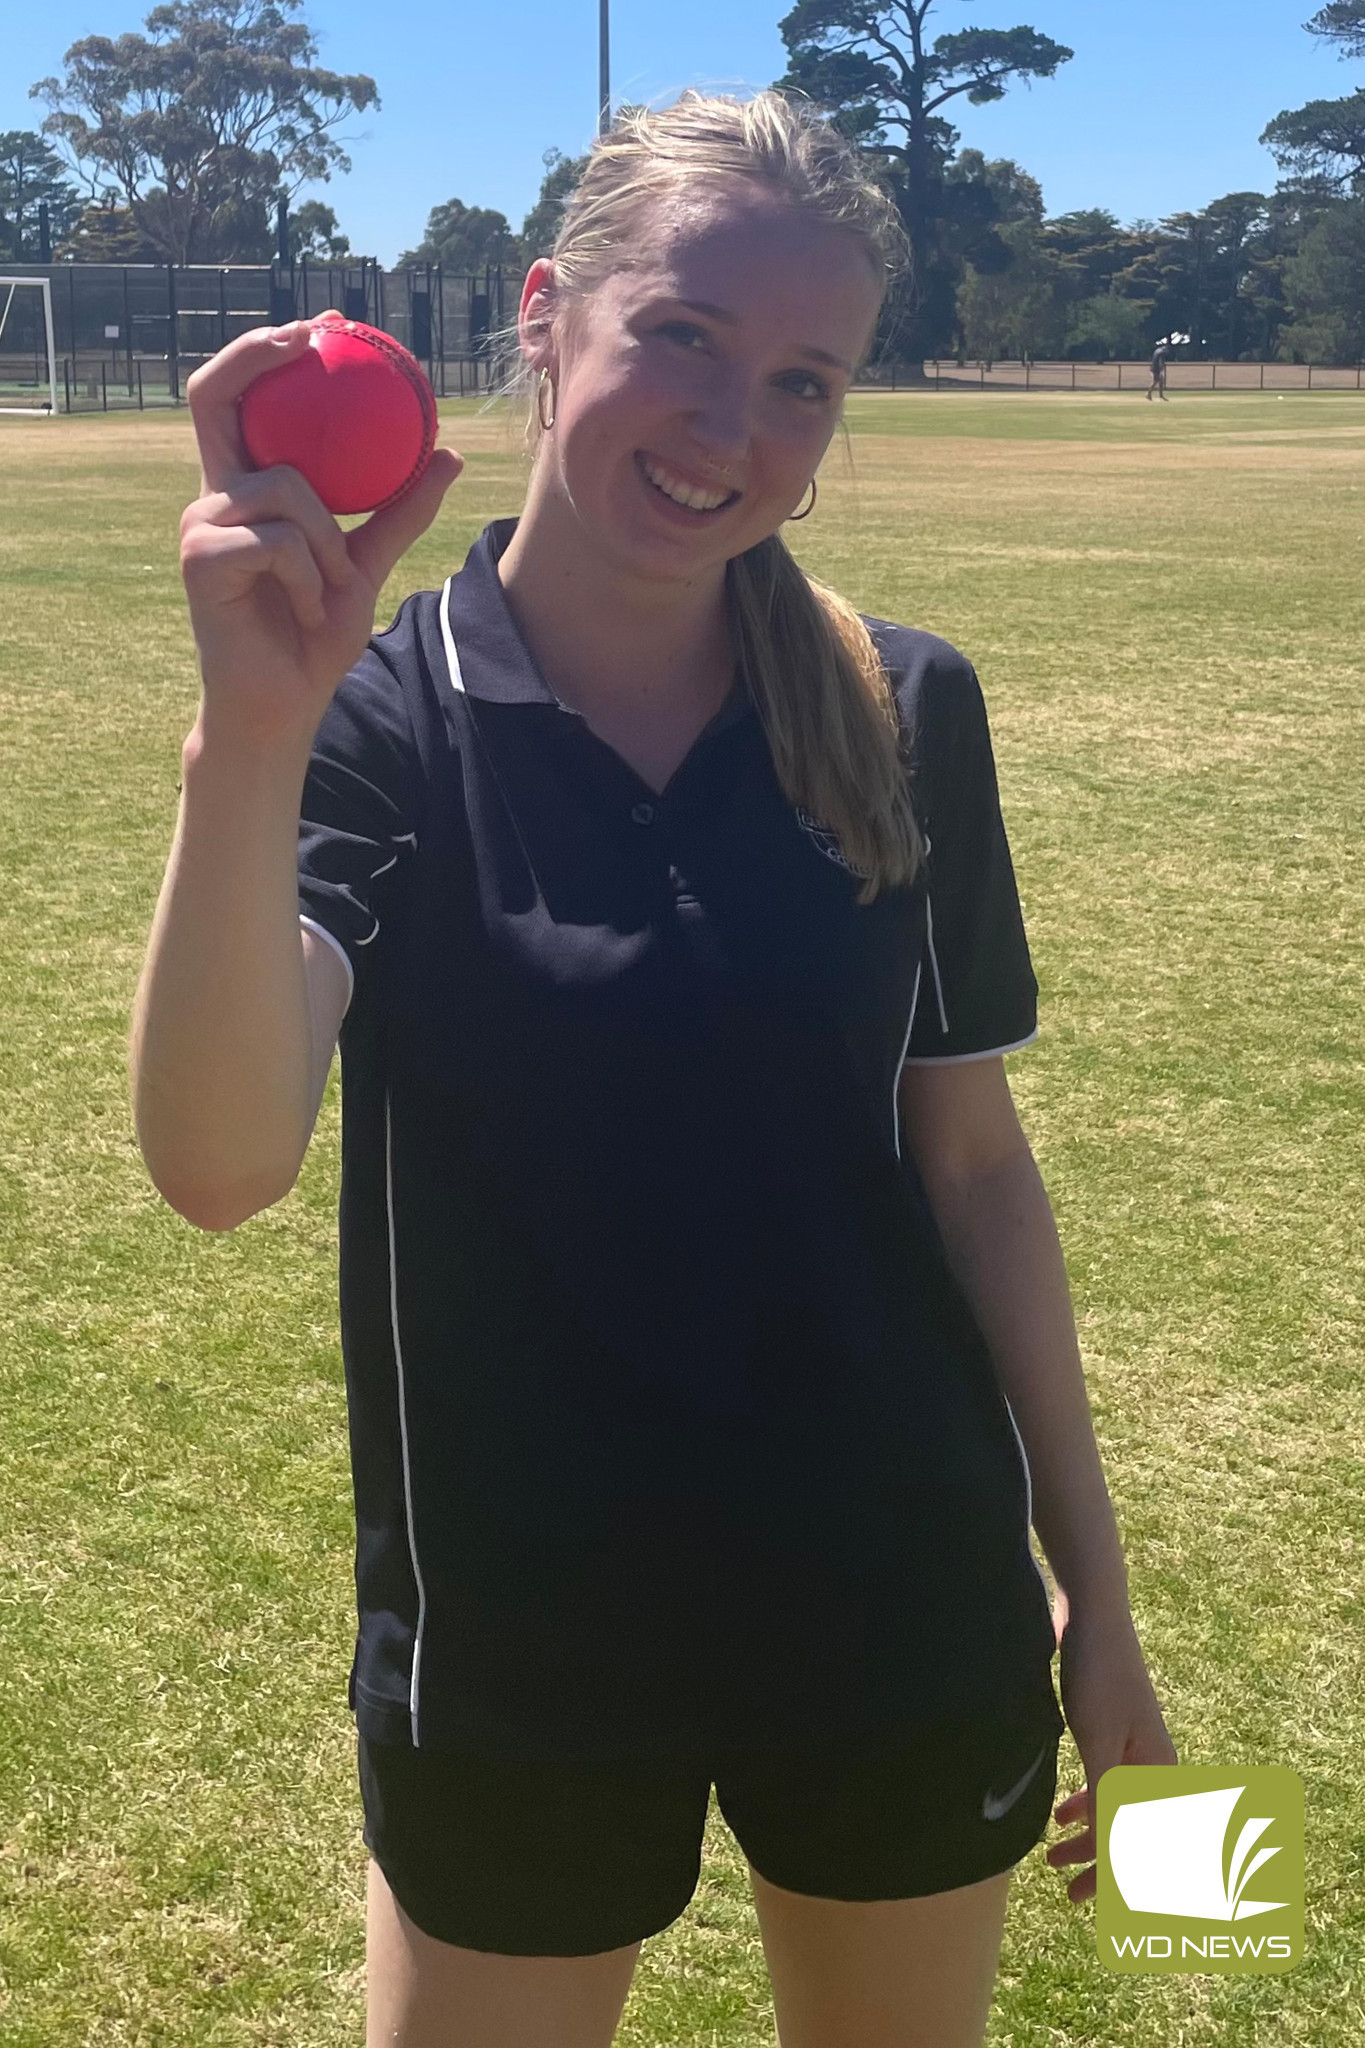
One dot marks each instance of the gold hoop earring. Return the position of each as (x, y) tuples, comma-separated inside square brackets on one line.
[(541, 388), (809, 509)]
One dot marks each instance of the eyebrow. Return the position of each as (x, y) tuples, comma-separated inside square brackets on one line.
[(814, 355)]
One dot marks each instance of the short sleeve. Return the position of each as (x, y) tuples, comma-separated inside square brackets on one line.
[(359, 818), (977, 991)]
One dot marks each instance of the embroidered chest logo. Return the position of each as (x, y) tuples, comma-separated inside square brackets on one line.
[(826, 840)]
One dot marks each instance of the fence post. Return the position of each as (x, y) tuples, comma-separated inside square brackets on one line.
[(173, 338), (938, 373), (1310, 376), (1028, 373), (1214, 384), (104, 387), (983, 376), (1263, 373), (1073, 376), (66, 380), (139, 387)]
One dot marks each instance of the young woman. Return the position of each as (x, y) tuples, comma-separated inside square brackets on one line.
[(702, 1309)]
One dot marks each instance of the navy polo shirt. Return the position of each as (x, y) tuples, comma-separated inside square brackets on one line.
[(670, 1428)]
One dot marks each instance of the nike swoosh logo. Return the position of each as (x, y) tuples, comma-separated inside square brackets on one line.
[(993, 1808)]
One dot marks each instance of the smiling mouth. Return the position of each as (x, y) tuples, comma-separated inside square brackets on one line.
[(688, 497)]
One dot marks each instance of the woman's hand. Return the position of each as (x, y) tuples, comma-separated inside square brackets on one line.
[(1113, 1715), (281, 599)]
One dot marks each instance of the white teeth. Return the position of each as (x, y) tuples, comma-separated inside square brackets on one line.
[(681, 493)]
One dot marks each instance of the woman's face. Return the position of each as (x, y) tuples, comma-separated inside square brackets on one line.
[(714, 369)]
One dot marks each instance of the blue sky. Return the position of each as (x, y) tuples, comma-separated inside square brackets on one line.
[(1158, 111)]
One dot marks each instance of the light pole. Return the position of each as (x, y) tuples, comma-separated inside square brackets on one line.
[(603, 66)]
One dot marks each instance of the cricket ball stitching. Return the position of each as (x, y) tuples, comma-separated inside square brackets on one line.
[(384, 345)]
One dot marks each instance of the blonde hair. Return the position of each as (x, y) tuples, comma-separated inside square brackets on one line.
[(812, 668)]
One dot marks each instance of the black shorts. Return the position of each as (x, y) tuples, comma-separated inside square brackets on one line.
[(567, 1859)]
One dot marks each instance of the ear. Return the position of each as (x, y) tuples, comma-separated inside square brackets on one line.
[(536, 312)]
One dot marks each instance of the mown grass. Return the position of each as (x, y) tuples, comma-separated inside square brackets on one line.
[(1166, 611)]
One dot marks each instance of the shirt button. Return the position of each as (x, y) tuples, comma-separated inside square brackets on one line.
[(643, 814)]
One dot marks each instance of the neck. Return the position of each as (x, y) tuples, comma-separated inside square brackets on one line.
[(603, 636)]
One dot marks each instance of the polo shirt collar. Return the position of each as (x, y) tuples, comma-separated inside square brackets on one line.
[(485, 654)]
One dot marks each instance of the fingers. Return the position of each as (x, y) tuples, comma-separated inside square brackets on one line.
[(216, 386), (1076, 1810), (375, 547), (272, 494), (1075, 1807), (215, 558), (1075, 1849)]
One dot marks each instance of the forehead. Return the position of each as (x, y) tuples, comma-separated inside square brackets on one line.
[(785, 277)]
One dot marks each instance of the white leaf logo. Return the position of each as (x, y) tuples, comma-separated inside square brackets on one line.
[(1168, 1856)]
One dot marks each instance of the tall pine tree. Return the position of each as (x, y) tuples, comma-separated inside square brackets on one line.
[(871, 64)]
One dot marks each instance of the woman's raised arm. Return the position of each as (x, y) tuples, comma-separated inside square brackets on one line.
[(233, 1010)]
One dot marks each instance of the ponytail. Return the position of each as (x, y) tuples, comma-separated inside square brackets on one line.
[(825, 700)]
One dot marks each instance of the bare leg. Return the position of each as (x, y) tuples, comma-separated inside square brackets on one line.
[(431, 1994), (900, 1973)]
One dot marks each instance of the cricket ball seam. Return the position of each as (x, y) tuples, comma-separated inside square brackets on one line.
[(385, 345)]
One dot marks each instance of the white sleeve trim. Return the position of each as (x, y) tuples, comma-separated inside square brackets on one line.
[(961, 1059), (311, 924)]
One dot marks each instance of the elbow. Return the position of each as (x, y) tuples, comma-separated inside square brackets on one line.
[(220, 1206)]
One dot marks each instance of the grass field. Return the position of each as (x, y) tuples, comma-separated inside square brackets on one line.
[(1167, 611)]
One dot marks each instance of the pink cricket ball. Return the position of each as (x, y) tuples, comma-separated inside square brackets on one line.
[(354, 414)]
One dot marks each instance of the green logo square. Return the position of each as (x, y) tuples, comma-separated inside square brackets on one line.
[(1199, 1869)]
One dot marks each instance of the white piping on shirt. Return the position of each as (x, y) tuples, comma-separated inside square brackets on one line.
[(933, 961), (1028, 1497), (320, 931), (448, 640), (895, 1085), (414, 1686)]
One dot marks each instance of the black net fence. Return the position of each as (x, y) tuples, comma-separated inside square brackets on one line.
[(131, 334)]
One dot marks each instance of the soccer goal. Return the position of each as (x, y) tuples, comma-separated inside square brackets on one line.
[(25, 336)]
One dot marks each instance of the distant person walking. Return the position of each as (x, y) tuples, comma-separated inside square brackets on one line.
[(1160, 357)]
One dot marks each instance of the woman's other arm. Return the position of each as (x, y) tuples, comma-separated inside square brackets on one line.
[(997, 1226)]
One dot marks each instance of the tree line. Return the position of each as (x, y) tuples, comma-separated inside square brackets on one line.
[(179, 145)]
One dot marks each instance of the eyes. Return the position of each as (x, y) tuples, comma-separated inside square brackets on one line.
[(802, 384)]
